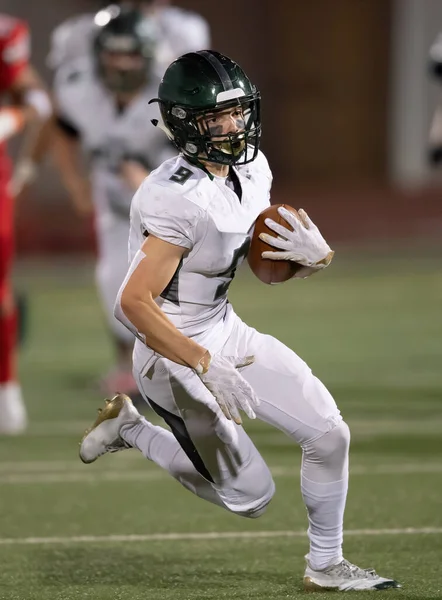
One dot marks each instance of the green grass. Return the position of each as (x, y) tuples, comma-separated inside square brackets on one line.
[(370, 329)]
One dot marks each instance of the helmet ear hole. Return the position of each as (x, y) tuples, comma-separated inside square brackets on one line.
[(191, 149)]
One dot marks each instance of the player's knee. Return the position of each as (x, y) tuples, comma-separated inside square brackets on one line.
[(256, 499), (330, 451), (335, 445)]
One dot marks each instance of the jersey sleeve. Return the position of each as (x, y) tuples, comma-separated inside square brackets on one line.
[(196, 36), (188, 30), (70, 40), (15, 53), (263, 172), (168, 215), (67, 98)]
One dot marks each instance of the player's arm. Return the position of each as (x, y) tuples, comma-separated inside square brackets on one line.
[(153, 268), (28, 100), (32, 110), (66, 154)]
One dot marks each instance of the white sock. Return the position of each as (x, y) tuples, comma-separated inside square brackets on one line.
[(324, 485), (160, 446), (325, 504)]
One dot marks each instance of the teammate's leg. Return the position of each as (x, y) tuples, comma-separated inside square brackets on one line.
[(110, 272), (13, 418)]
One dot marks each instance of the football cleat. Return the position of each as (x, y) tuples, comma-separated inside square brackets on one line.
[(104, 435), (345, 577)]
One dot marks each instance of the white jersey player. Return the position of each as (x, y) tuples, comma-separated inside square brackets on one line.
[(104, 108), (177, 31), (435, 134), (195, 361)]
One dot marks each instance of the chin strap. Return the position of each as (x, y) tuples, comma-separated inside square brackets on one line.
[(156, 123)]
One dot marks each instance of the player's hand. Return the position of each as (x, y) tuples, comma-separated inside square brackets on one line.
[(228, 386), (303, 243)]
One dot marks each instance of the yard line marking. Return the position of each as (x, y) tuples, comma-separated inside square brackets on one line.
[(213, 535), (362, 428), (86, 477), (56, 473)]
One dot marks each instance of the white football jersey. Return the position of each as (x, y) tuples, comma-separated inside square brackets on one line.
[(181, 204), (179, 31), (107, 136)]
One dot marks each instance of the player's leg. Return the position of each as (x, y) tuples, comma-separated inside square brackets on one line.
[(220, 451), (119, 425), (110, 272), (210, 456), (297, 403), (13, 419)]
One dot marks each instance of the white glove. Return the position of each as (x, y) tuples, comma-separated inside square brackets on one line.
[(228, 386), (304, 245)]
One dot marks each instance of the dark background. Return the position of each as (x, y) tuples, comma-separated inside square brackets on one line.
[(326, 70)]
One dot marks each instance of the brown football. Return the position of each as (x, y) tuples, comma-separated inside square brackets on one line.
[(267, 270)]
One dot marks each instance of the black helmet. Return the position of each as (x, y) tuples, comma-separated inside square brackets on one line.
[(198, 84), (124, 30)]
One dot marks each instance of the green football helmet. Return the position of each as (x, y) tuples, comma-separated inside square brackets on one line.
[(123, 30), (195, 86)]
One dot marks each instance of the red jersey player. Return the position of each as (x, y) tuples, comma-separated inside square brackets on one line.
[(23, 102)]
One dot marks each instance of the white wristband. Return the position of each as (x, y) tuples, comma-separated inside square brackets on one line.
[(199, 369), (24, 173), (10, 123)]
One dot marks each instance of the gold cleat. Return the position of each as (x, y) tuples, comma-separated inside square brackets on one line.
[(311, 586), (104, 436)]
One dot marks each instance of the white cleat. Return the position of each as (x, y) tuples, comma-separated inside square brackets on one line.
[(345, 577), (13, 417), (104, 435)]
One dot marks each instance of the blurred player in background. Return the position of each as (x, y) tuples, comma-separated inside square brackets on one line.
[(178, 31), (102, 107), (107, 68), (195, 361), (24, 105), (435, 136)]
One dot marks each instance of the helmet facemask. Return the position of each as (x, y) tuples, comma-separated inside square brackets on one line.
[(193, 134), (124, 49), (123, 72)]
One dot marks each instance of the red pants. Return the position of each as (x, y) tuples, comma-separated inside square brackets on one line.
[(8, 316)]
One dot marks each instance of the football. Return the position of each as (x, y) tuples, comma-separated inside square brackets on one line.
[(267, 270)]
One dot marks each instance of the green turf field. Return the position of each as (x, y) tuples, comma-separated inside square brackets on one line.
[(372, 331)]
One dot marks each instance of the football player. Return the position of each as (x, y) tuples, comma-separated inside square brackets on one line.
[(195, 361), (26, 105), (435, 136), (102, 108), (178, 31)]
